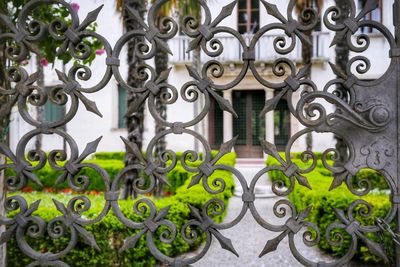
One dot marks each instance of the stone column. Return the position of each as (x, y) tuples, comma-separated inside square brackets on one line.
[(269, 119), (228, 118), (295, 127)]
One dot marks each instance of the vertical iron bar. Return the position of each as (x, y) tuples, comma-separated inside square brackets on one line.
[(396, 23)]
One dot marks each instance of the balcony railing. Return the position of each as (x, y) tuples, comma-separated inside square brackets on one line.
[(264, 52)]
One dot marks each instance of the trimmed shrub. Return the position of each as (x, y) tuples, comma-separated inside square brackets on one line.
[(110, 232), (377, 180), (109, 156), (121, 155), (178, 176), (175, 177), (322, 200), (48, 176)]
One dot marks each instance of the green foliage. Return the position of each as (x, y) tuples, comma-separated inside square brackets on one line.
[(109, 235), (112, 163), (109, 155), (48, 176), (377, 180), (322, 200), (47, 47), (119, 155), (322, 214), (110, 232), (178, 176)]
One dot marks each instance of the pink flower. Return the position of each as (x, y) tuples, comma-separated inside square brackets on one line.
[(44, 62), (75, 7), (24, 62), (99, 52)]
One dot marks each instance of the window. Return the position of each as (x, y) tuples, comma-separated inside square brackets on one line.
[(375, 15), (248, 16), (52, 112), (122, 107)]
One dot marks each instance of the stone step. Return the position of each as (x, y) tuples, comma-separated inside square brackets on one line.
[(260, 192)]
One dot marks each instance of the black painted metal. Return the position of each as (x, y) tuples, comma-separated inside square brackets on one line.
[(365, 119)]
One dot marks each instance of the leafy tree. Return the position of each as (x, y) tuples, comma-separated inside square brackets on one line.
[(193, 9), (44, 49), (161, 62), (135, 121), (45, 52), (184, 9), (302, 7)]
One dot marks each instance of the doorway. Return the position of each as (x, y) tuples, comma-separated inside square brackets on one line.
[(249, 126)]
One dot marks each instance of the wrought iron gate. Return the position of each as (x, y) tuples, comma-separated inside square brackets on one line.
[(366, 117)]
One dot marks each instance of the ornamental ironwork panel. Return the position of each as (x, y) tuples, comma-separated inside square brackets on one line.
[(365, 117)]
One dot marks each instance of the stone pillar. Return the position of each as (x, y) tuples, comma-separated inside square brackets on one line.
[(295, 127), (269, 120), (228, 118)]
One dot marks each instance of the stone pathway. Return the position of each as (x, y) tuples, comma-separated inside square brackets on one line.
[(249, 238)]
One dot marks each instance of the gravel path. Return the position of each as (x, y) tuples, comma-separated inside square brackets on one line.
[(249, 238)]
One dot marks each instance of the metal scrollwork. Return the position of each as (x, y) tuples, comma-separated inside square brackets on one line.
[(362, 115)]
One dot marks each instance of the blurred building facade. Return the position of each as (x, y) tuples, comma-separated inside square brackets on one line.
[(248, 98)]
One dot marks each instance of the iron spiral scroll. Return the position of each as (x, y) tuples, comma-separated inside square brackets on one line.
[(356, 119)]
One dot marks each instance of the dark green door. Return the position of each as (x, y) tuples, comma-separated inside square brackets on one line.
[(249, 126), (282, 124)]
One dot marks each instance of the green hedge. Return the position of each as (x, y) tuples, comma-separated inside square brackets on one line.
[(48, 176), (178, 176), (109, 233), (109, 162), (322, 200), (377, 180), (121, 155), (322, 214), (109, 156)]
